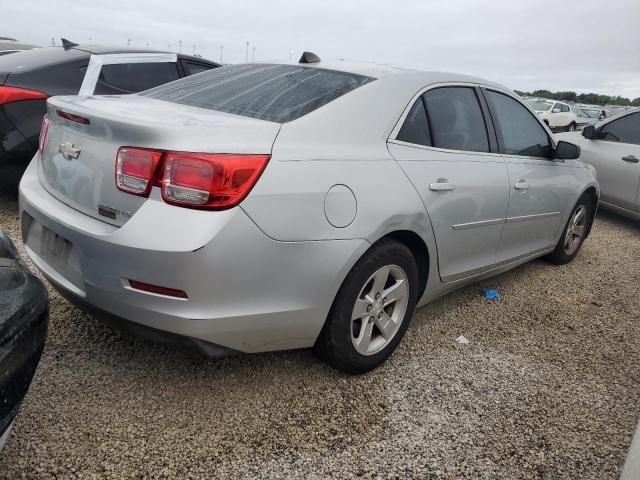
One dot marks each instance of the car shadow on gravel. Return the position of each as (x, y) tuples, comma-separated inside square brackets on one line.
[(612, 217)]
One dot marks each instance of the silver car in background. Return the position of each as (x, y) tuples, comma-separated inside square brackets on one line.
[(613, 148), (275, 206)]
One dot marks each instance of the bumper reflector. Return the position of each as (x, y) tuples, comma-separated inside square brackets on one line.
[(146, 287)]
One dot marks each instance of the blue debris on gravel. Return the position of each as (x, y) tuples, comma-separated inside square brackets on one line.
[(491, 294)]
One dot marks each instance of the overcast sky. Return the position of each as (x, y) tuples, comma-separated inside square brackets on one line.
[(580, 45)]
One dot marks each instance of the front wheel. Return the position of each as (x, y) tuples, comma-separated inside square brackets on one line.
[(372, 309), (573, 234)]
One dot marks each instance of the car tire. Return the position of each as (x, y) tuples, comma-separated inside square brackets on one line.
[(571, 127), (574, 233), (365, 324)]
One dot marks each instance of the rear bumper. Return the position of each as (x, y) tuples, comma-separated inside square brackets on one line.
[(246, 292), (142, 331)]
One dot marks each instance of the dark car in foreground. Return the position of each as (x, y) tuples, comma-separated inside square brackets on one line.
[(24, 311), (28, 78)]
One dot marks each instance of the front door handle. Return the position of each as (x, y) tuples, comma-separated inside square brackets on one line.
[(631, 159), (522, 185), (441, 187)]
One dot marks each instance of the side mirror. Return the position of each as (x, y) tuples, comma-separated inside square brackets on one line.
[(589, 131), (555, 110), (567, 151)]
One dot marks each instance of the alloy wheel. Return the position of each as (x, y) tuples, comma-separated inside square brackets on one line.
[(576, 230), (379, 309)]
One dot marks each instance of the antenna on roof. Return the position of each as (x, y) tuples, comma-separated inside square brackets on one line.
[(67, 44), (309, 57)]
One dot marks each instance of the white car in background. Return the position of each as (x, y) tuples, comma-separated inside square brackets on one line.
[(612, 146), (557, 115)]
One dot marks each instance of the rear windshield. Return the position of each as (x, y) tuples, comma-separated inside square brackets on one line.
[(276, 93)]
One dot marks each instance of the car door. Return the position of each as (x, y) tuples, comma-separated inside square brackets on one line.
[(540, 188), (555, 116), (445, 149), (615, 153), (565, 111)]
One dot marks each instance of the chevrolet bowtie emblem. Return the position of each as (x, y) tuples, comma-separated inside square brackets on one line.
[(68, 151)]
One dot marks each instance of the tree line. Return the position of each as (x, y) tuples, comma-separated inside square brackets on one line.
[(590, 98)]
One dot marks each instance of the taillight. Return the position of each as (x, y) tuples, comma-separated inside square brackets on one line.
[(135, 170), (44, 130), (211, 181), (14, 94), (194, 180)]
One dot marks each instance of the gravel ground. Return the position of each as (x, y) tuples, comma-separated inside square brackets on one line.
[(548, 388)]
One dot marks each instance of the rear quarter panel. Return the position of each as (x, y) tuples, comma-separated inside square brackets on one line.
[(343, 143)]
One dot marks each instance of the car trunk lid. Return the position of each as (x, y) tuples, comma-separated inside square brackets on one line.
[(78, 162)]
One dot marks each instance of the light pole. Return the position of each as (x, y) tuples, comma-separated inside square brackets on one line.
[(128, 42), (253, 56), (194, 50), (246, 56), (221, 48), (290, 54), (179, 46), (89, 40)]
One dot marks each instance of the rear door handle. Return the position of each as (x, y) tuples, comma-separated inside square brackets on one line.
[(441, 187), (522, 185), (631, 159)]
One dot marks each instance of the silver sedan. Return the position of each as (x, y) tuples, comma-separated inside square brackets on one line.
[(613, 148), (276, 206)]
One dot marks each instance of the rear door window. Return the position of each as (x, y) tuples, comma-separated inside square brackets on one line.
[(519, 132), (415, 128), (134, 77), (623, 130), (276, 93), (456, 120)]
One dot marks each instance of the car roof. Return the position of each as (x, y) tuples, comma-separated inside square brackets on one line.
[(41, 57), (381, 71), (106, 49), (6, 44)]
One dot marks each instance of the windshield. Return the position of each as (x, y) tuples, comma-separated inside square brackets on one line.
[(540, 105), (276, 93), (590, 113)]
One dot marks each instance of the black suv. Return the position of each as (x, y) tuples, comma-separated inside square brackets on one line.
[(28, 78)]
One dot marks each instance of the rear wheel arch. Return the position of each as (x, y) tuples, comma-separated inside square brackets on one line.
[(338, 341), (420, 252), (592, 194), (416, 246)]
